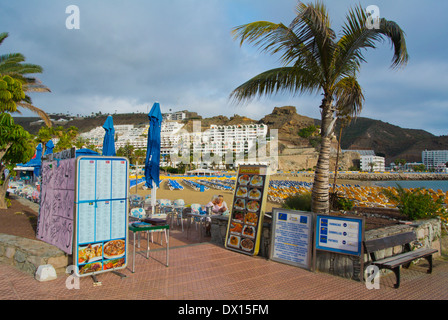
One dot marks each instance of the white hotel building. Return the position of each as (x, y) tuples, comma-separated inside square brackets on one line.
[(435, 159), (179, 144), (372, 163)]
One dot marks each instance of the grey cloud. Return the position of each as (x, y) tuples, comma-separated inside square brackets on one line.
[(126, 55)]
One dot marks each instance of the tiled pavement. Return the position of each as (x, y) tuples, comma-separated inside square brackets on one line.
[(204, 271)]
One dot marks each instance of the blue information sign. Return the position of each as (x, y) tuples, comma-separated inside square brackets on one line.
[(291, 237), (339, 234)]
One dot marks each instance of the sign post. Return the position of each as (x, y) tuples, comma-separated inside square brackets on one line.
[(101, 220)]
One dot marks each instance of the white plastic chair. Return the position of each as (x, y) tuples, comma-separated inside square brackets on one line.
[(137, 214), (197, 209), (178, 208)]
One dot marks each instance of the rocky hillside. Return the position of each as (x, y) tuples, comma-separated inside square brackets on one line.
[(389, 140), (363, 133)]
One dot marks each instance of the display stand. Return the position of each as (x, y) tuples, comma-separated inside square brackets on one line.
[(246, 219), (101, 219)]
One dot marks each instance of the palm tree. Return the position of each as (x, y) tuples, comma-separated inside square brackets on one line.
[(316, 61), (12, 64)]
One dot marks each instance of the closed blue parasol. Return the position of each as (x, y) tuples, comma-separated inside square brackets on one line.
[(152, 162), (153, 148), (108, 142), (36, 160), (49, 147)]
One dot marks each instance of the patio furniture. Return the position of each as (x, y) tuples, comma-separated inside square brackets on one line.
[(149, 228)]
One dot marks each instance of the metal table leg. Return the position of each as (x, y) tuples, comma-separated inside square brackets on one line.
[(167, 241), (133, 260), (147, 240)]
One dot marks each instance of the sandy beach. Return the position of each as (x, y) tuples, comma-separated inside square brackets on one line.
[(189, 195)]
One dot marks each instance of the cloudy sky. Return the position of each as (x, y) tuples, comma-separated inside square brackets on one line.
[(128, 54)]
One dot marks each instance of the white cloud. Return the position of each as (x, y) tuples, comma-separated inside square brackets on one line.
[(126, 55)]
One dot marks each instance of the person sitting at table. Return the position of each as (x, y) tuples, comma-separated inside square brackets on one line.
[(218, 205)]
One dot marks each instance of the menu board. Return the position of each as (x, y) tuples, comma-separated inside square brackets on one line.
[(339, 234), (246, 219), (291, 240), (101, 221)]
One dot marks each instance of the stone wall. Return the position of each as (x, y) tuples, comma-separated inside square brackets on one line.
[(428, 234), (385, 176), (27, 254)]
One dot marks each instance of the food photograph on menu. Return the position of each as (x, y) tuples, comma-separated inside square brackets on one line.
[(246, 211), (95, 257)]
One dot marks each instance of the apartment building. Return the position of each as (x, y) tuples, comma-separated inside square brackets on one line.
[(178, 145), (135, 136), (434, 159), (372, 163)]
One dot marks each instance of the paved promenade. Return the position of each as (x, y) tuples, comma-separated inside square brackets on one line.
[(205, 271)]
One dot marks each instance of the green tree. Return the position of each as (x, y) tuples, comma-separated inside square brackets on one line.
[(127, 151), (315, 60), (67, 138), (15, 147), (307, 131), (13, 65)]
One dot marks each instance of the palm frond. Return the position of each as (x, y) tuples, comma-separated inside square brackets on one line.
[(3, 36), (36, 110), (269, 37), (34, 85), (357, 38), (349, 96), (286, 79), (313, 29), (11, 58)]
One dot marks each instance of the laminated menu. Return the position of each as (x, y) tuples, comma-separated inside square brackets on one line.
[(101, 209), (246, 219)]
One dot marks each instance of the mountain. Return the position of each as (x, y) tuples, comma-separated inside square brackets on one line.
[(384, 138), (389, 140)]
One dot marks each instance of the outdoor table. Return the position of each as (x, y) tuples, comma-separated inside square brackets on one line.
[(202, 219), (150, 228)]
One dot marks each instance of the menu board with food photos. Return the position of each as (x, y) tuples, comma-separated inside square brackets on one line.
[(246, 219), (101, 223)]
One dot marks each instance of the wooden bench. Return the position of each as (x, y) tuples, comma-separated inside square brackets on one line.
[(402, 259)]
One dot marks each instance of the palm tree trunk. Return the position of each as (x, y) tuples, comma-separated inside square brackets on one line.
[(336, 169), (320, 193)]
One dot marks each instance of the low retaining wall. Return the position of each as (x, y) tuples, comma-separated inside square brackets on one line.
[(428, 234), (391, 176), (27, 254)]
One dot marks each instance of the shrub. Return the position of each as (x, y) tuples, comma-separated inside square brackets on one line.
[(300, 201), (340, 203), (307, 132), (417, 204)]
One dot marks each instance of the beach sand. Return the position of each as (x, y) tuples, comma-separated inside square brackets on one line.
[(189, 195)]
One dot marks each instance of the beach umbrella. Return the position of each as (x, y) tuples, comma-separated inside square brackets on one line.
[(85, 152), (36, 160), (49, 147), (108, 142), (153, 152)]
